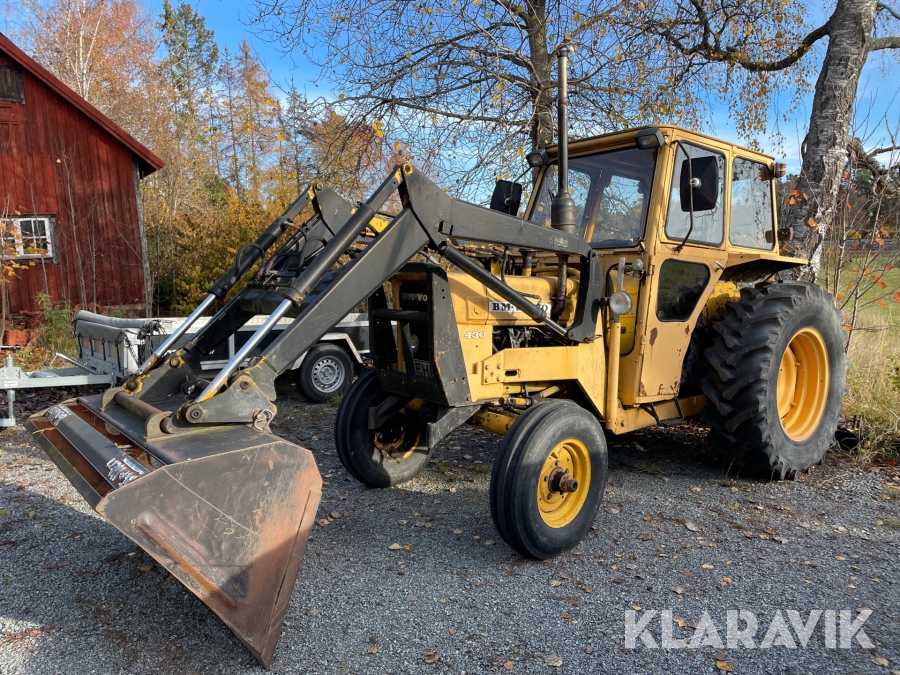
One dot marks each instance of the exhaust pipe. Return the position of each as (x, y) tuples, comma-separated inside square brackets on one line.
[(562, 208)]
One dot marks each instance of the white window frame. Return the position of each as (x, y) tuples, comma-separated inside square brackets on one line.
[(19, 241)]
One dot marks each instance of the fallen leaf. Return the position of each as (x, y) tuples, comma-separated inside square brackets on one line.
[(748, 534), (725, 665), (618, 580), (644, 537), (372, 650), (781, 540), (452, 631), (457, 531), (312, 612), (146, 568), (648, 518), (394, 547), (880, 661), (810, 563), (840, 558), (691, 526), (566, 615), (553, 661), (555, 583), (432, 657), (335, 514), (508, 665), (707, 566), (613, 510), (322, 523), (403, 522), (679, 590)]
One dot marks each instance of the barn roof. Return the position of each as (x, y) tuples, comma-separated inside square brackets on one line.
[(147, 160)]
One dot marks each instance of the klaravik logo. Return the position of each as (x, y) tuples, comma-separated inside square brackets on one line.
[(838, 629)]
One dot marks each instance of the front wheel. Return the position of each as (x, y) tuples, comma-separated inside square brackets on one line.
[(548, 479), (392, 454)]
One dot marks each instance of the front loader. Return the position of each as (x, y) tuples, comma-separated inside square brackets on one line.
[(636, 291)]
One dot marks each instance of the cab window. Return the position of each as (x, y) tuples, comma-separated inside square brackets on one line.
[(752, 223), (709, 225)]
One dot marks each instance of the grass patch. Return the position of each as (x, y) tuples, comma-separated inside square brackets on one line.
[(651, 468), (872, 406), (873, 401), (891, 522)]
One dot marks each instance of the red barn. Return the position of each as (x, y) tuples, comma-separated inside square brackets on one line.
[(71, 219)]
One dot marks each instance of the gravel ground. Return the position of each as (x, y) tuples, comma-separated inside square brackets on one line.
[(676, 533)]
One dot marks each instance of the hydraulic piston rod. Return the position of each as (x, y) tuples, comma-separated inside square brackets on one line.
[(245, 351), (176, 334)]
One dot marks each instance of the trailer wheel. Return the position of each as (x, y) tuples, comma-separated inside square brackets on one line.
[(392, 454), (777, 379), (325, 372), (548, 479)]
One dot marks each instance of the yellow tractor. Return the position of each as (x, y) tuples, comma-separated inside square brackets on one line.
[(638, 289)]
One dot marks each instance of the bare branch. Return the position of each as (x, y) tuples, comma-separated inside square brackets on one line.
[(890, 10), (889, 42)]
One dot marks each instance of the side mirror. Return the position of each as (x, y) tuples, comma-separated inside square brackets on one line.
[(705, 188), (507, 197)]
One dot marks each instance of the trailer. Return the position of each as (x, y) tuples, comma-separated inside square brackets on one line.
[(117, 347)]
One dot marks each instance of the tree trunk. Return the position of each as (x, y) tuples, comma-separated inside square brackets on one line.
[(541, 77), (824, 151)]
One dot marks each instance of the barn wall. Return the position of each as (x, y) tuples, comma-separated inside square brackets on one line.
[(55, 160)]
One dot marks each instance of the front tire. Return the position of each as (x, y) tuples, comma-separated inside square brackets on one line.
[(392, 454), (548, 479), (777, 379)]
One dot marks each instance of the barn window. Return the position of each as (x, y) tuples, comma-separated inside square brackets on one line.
[(12, 87), (27, 237)]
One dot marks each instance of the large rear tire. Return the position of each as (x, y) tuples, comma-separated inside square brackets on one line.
[(392, 454), (548, 479), (777, 379)]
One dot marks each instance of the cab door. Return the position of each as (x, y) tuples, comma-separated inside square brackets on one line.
[(685, 265)]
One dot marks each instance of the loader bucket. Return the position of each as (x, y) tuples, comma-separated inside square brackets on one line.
[(226, 510)]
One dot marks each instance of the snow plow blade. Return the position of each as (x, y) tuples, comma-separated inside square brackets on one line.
[(226, 510)]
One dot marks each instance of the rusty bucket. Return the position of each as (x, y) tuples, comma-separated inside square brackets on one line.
[(226, 510)]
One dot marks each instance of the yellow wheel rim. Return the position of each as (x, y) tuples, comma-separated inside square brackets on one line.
[(567, 465), (802, 388)]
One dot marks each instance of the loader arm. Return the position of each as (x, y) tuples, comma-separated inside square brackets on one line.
[(322, 296)]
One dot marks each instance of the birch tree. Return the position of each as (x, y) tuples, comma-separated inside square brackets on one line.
[(764, 46)]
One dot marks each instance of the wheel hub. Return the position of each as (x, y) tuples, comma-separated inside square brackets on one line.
[(396, 439), (327, 375), (802, 387), (564, 483)]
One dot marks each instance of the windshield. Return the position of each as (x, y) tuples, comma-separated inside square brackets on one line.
[(611, 192)]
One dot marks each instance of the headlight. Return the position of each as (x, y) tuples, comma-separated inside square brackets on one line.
[(620, 302), (414, 342)]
